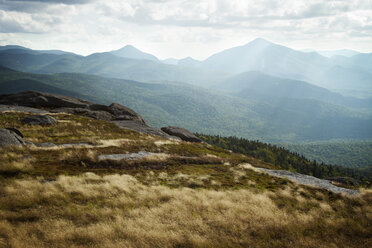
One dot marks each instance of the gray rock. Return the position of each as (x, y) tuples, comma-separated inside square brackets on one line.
[(10, 138), (142, 128), (345, 180), (181, 133), (29, 143), (38, 99), (5, 108), (98, 115), (123, 113), (71, 145), (15, 130), (58, 103), (101, 112), (130, 156), (45, 144), (309, 180), (39, 120)]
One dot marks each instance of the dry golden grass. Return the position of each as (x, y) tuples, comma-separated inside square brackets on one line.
[(119, 211), (70, 129), (11, 162)]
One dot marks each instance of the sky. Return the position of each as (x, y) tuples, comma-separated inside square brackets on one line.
[(181, 28)]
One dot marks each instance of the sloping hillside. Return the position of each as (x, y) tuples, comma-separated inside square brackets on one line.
[(88, 183), (205, 111)]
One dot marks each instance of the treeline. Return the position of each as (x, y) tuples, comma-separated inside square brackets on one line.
[(286, 159)]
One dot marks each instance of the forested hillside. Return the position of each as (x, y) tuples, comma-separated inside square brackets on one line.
[(354, 154), (286, 159)]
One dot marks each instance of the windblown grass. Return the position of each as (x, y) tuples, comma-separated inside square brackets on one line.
[(119, 211)]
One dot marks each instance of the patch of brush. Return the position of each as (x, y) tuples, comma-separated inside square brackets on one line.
[(147, 164)]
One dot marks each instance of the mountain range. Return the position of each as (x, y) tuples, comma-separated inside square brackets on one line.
[(260, 90), (339, 73)]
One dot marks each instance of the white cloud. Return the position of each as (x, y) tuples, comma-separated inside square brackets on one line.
[(181, 26)]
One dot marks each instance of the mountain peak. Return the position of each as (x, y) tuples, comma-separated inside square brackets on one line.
[(128, 47), (129, 51), (189, 62), (260, 41)]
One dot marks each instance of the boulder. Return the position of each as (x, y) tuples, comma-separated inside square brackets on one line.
[(181, 133), (123, 113), (39, 120), (10, 138)]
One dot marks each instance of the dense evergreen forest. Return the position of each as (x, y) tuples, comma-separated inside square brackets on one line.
[(348, 153), (286, 159)]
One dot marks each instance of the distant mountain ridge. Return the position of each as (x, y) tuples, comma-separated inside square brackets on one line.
[(257, 85), (108, 65), (332, 53), (344, 74), (280, 61), (20, 50)]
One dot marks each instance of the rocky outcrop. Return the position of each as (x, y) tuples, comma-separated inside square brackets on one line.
[(142, 128), (8, 137), (39, 120), (122, 116), (42, 100), (98, 115), (308, 180), (119, 112), (181, 133), (59, 103), (11, 108)]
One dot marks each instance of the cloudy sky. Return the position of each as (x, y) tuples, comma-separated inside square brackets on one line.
[(179, 28)]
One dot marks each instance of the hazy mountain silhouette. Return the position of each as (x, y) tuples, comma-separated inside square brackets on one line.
[(262, 55), (21, 50), (337, 73), (189, 62), (108, 65), (332, 53), (257, 85), (131, 52)]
